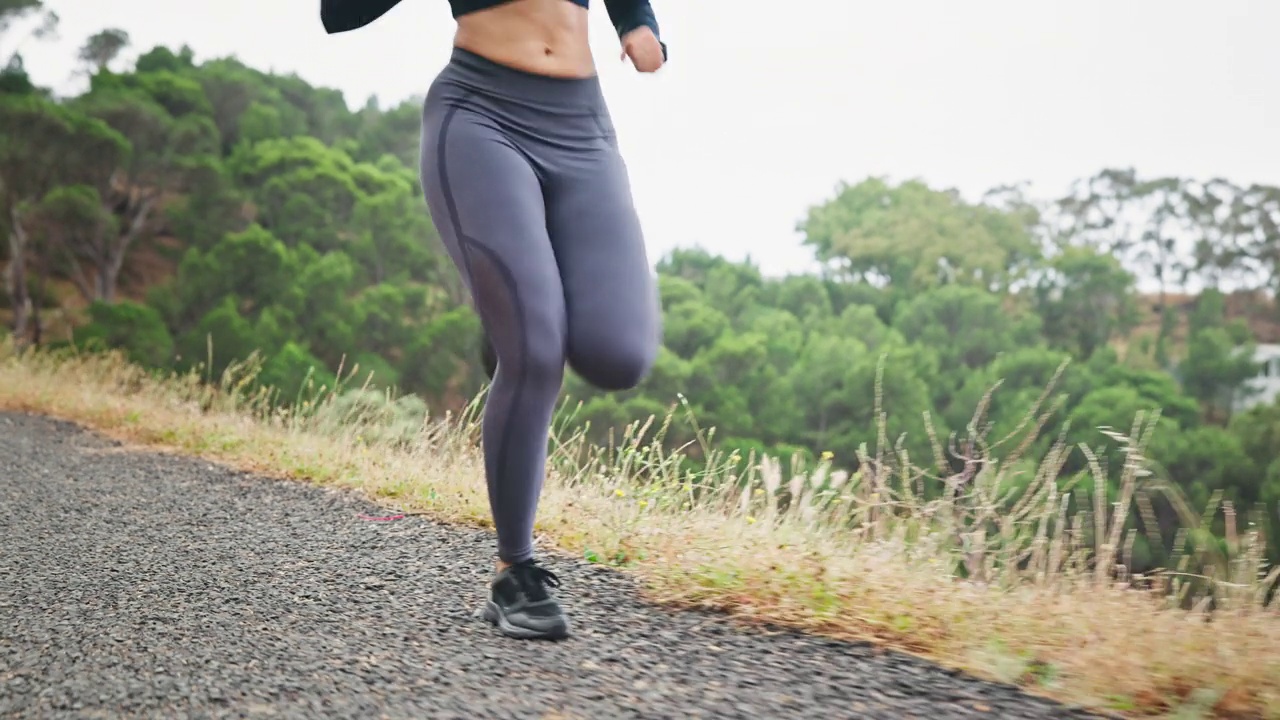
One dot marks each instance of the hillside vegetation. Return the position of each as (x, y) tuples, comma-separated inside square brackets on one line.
[(969, 436)]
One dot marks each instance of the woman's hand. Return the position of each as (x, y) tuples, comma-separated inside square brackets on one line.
[(642, 46)]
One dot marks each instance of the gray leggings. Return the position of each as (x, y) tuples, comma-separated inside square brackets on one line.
[(524, 180)]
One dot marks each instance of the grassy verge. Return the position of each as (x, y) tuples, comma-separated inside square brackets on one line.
[(858, 557)]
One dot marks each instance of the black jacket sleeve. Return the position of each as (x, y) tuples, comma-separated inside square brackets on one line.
[(627, 15), (343, 15)]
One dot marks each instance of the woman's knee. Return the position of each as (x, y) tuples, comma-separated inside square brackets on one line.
[(613, 364), (536, 358)]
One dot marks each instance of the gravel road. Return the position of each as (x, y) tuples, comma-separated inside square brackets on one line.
[(136, 584)]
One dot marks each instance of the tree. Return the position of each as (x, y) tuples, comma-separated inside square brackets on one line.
[(134, 328), (1259, 431), (396, 131), (913, 237), (1023, 375), (42, 145), (75, 223), (25, 175), (1084, 298), (967, 328), (139, 178), (103, 47), (12, 11), (1237, 233), (14, 79), (1141, 220), (691, 326), (1149, 224), (232, 88), (1219, 357), (1220, 243), (1258, 216), (161, 59)]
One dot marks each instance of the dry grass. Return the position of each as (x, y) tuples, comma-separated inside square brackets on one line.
[(856, 557)]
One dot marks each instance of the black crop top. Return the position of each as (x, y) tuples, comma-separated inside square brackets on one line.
[(343, 15)]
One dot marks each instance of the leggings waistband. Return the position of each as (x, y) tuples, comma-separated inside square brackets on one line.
[(492, 78)]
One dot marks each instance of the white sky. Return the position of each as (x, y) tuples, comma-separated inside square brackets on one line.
[(765, 106)]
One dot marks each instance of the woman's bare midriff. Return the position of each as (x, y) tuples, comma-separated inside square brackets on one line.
[(545, 37)]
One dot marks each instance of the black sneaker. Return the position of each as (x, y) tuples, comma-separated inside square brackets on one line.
[(520, 605)]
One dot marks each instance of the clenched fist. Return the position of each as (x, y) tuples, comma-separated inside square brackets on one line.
[(642, 46)]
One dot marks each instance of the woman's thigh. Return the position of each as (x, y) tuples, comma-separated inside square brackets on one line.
[(614, 318), (487, 203)]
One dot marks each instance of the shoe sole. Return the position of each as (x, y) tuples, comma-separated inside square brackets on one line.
[(494, 615)]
